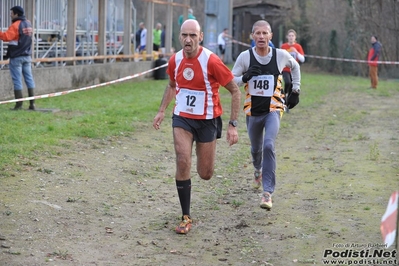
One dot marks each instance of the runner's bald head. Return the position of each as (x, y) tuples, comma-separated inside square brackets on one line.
[(191, 24)]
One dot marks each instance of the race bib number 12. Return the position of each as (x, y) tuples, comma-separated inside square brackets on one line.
[(190, 101)]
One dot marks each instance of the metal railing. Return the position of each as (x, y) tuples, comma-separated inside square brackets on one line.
[(50, 24)]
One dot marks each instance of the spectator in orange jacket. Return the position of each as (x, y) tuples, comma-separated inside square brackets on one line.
[(295, 49), (19, 38), (372, 58)]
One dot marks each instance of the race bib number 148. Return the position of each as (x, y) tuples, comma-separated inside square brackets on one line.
[(261, 86)]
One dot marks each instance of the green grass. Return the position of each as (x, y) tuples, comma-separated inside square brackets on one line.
[(97, 113), (119, 109)]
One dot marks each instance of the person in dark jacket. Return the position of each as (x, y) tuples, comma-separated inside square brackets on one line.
[(19, 38), (373, 56), (138, 36)]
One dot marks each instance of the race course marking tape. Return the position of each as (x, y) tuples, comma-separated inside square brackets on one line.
[(353, 60), (85, 88), (333, 58)]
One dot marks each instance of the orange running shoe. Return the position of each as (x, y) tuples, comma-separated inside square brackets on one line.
[(185, 225)]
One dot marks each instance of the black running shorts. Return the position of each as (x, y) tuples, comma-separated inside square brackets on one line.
[(204, 130)]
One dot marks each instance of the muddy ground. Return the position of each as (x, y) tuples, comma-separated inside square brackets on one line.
[(114, 201)]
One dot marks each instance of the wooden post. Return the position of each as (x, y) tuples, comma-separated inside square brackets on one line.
[(185, 11), (71, 29), (169, 27), (30, 10), (102, 14), (127, 28), (149, 25)]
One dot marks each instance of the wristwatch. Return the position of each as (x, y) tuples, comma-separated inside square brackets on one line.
[(234, 123)]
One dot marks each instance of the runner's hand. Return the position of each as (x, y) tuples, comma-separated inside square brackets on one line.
[(158, 120), (252, 71), (232, 135), (292, 100)]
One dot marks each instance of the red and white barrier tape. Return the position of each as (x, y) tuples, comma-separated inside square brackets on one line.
[(85, 88), (353, 60), (242, 43), (333, 58)]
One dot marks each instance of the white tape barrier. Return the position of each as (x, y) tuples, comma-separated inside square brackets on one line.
[(333, 58), (84, 88)]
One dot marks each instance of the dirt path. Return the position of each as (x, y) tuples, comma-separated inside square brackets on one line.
[(114, 201)]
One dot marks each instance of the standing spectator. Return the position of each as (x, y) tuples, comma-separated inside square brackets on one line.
[(189, 16), (373, 55), (163, 37), (295, 49), (138, 36), (19, 38), (157, 37), (259, 69), (143, 37), (195, 75), (223, 36)]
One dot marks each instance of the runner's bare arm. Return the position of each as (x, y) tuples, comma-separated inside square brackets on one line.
[(232, 135), (168, 96)]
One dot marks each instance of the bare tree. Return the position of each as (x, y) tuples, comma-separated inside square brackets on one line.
[(352, 22)]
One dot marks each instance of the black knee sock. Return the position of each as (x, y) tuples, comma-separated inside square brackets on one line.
[(184, 192)]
